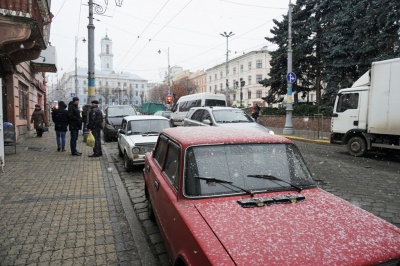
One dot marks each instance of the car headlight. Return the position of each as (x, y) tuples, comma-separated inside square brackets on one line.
[(108, 126), (271, 132), (135, 150)]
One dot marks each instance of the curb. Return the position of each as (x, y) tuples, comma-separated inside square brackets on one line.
[(318, 141)]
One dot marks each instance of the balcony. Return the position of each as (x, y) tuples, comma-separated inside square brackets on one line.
[(24, 31)]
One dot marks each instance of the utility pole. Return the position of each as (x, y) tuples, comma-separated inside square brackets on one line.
[(291, 77), (91, 80), (76, 64), (227, 35)]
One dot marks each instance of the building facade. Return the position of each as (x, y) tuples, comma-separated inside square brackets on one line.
[(111, 88)]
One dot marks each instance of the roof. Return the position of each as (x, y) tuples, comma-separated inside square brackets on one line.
[(217, 108), (144, 117), (215, 135)]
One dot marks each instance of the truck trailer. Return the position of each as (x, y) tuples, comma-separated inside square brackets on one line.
[(367, 116)]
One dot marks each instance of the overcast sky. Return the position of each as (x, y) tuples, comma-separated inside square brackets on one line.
[(140, 28)]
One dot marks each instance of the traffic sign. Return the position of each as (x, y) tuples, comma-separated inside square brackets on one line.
[(169, 93), (291, 77), (73, 94)]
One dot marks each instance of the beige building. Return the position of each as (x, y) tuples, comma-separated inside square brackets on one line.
[(251, 68), (199, 78)]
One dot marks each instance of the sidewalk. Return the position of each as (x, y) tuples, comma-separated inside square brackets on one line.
[(58, 209)]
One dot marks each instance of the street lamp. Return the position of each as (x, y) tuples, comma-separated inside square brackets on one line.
[(227, 35), (76, 62), (168, 71)]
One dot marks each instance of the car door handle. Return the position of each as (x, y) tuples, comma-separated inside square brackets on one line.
[(156, 184)]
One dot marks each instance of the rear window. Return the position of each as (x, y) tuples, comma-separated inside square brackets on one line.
[(121, 111), (212, 102)]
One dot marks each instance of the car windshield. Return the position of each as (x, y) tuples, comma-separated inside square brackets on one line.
[(121, 111), (236, 163), (153, 126), (231, 116)]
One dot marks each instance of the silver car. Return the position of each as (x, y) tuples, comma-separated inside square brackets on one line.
[(221, 117)]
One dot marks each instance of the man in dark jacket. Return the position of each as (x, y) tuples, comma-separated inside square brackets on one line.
[(60, 119), (94, 126), (75, 124)]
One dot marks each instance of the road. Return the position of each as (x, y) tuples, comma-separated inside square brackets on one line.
[(372, 183)]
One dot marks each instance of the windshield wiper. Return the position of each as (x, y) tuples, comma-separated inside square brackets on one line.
[(239, 121), (273, 178), (221, 181), (150, 132)]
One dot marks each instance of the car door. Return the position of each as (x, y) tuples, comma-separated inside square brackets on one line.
[(346, 113), (122, 136)]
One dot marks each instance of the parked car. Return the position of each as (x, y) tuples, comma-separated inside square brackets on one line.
[(113, 115), (166, 114), (237, 198), (222, 117), (138, 135)]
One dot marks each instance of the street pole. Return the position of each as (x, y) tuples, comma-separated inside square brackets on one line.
[(288, 129), (169, 80), (227, 35), (76, 64), (91, 76)]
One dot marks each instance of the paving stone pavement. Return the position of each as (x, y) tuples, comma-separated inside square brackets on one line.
[(58, 209)]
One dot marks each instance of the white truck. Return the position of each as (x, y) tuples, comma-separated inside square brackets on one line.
[(367, 115)]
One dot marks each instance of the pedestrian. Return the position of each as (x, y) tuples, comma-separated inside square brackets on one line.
[(255, 112), (94, 126), (75, 124), (60, 119), (38, 120)]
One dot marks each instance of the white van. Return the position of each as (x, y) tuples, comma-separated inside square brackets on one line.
[(184, 104)]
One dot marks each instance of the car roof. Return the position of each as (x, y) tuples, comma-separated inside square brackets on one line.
[(144, 117), (215, 135), (119, 106), (216, 108)]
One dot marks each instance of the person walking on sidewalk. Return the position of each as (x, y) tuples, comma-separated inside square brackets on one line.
[(94, 126), (38, 120), (75, 124), (60, 119)]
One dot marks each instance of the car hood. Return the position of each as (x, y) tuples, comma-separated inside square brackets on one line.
[(136, 139), (323, 229)]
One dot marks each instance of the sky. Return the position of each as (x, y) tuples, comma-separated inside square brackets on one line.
[(190, 29)]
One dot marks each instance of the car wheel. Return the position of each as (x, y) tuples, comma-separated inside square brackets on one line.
[(127, 163), (106, 138), (120, 154), (357, 146)]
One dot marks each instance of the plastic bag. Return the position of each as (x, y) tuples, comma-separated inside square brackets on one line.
[(90, 140)]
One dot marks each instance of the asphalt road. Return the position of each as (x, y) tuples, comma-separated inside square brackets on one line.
[(371, 183)]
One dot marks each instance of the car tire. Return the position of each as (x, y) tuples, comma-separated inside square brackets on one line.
[(357, 146), (120, 153), (127, 163), (106, 138)]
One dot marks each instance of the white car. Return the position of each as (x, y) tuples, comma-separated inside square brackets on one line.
[(138, 135), (220, 116)]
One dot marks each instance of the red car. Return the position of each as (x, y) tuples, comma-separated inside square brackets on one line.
[(239, 197)]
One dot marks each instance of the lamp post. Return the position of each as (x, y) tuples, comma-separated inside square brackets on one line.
[(168, 70), (76, 62), (227, 35), (288, 129)]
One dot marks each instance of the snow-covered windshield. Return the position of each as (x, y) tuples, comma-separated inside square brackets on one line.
[(231, 116), (234, 163), (153, 126)]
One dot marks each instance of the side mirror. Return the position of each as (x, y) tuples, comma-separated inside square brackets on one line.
[(335, 115), (121, 131), (207, 121)]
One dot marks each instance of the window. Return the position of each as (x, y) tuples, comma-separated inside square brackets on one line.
[(220, 74), (23, 101), (136, 86), (108, 65), (234, 96), (249, 64), (215, 76), (241, 68), (124, 84), (142, 86), (347, 101), (234, 71), (249, 94), (137, 94), (171, 169), (107, 50), (220, 86), (210, 88), (259, 64), (106, 83), (197, 115), (99, 82), (215, 87), (258, 78), (160, 149), (119, 84), (84, 82), (249, 80), (258, 94), (210, 78)]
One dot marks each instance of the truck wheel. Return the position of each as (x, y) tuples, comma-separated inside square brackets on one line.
[(357, 146)]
